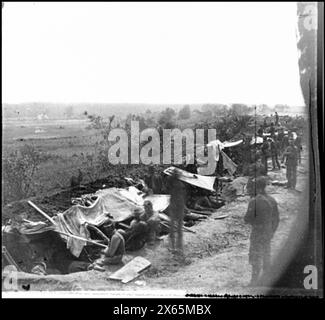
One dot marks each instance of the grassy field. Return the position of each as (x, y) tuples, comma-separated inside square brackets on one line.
[(63, 141), (65, 145)]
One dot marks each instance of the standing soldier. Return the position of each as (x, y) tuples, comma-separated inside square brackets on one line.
[(153, 181), (299, 147), (285, 142), (291, 156), (276, 119), (272, 130), (246, 154), (263, 215), (260, 131), (280, 140), (274, 146), (255, 170), (264, 124), (177, 206), (265, 153)]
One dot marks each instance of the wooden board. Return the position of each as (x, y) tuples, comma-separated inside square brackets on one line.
[(131, 270)]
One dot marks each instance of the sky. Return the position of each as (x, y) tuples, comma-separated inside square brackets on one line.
[(150, 53)]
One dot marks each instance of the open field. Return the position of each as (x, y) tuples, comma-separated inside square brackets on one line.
[(63, 141)]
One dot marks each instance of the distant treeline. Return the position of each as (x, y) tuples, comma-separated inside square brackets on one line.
[(78, 110)]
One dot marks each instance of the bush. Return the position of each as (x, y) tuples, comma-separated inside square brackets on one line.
[(18, 171), (184, 113)]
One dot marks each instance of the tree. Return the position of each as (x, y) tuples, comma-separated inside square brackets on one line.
[(167, 119), (184, 113), (240, 109)]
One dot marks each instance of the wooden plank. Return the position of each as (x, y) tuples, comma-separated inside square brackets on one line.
[(131, 270)]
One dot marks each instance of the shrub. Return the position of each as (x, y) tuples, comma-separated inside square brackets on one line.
[(18, 171)]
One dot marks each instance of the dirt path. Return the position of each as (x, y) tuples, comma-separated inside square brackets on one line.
[(216, 255)]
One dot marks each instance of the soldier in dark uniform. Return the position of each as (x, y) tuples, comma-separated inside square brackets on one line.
[(256, 170), (154, 181), (274, 146), (299, 147), (291, 157), (272, 130), (285, 142), (263, 215), (136, 236), (265, 153), (260, 131), (246, 155), (265, 124), (177, 206), (276, 119), (280, 140)]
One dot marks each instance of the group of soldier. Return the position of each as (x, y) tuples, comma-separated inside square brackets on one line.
[(279, 146), (262, 213)]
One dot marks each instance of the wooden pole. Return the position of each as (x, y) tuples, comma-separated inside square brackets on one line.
[(42, 212), (82, 239), (9, 258), (64, 233)]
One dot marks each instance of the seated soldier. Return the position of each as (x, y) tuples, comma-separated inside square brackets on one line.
[(137, 234), (152, 220), (153, 181), (113, 254)]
